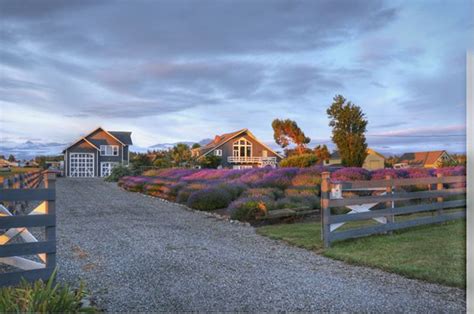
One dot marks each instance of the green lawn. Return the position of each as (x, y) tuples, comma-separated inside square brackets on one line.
[(435, 253)]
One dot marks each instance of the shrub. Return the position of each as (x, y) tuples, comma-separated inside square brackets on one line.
[(298, 201), (300, 161), (40, 297), (210, 161), (209, 199), (277, 178), (271, 193), (234, 189), (118, 172), (302, 192), (350, 174), (380, 174), (249, 208), (183, 196)]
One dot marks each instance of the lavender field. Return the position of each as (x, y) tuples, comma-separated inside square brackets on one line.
[(250, 193)]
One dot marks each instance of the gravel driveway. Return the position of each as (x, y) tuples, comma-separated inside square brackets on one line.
[(136, 253)]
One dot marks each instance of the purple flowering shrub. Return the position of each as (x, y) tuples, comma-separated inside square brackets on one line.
[(209, 199), (250, 208), (350, 174), (272, 193), (252, 192)]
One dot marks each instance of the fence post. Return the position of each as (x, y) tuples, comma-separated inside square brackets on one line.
[(50, 183), (389, 204), (325, 210), (439, 187)]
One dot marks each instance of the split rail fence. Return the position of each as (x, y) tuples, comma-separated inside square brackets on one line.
[(390, 193), (15, 238)]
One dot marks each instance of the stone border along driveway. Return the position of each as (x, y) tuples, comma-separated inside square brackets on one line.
[(138, 253)]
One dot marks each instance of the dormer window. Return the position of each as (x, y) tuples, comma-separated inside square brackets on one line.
[(109, 150), (218, 152)]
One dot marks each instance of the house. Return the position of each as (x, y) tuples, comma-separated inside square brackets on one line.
[(373, 161), (430, 159), (5, 164), (239, 150), (97, 153)]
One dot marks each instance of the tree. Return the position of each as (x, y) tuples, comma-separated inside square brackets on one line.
[(322, 152), (195, 145), (286, 132), (181, 155), (11, 158), (348, 131), (210, 161), (140, 162)]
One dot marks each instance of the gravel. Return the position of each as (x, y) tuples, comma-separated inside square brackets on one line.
[(137, 253)]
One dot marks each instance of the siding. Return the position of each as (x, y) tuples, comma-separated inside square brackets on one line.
[(257, 150)]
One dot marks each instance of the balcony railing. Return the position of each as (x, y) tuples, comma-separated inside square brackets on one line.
[(252, 160)]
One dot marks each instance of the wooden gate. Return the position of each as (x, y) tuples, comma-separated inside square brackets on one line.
[(332, 197), (17, 241)]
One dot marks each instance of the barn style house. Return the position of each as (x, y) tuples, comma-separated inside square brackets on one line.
[(239, 150), (95, 154)]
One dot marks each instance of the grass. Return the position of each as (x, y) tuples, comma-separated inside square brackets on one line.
[(16, 170), (43, 297), (434, 253)]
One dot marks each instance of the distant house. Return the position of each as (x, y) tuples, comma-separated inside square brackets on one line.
[(430, 159), (5, 163), (239, 150), (373, 161), (97, 153)]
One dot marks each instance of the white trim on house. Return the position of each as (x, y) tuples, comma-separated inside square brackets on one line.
[(111, 165), (250, 135), (114, 150), (84, 161), (218, 152)]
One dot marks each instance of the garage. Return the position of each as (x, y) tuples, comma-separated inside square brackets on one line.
[(82, 165)]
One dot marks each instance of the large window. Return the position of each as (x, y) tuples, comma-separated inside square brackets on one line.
[(242, 148), (109, 150), (218, 152)]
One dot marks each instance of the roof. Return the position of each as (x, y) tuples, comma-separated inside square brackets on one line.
[(373, 152), (123, 137), (219, 140), (425, 158), (335, 154)]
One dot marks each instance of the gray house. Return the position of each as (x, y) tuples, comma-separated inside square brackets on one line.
[(239, 150), (97, 153)]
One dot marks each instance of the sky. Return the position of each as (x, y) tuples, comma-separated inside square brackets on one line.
[(173, 71)]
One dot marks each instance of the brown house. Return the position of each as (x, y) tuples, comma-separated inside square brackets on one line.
[(432, 159), (97, 153), (373, 161), (239, 150)]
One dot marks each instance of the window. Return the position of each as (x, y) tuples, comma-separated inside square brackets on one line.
[(109, 150), (218, 152), (242, 148)]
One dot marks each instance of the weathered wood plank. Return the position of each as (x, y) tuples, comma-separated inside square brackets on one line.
[(27, 221), (396, 211), (31, 248), (13, 278), (399, 182), (395, 197), (27, 194), (22, 263), (366, 231)]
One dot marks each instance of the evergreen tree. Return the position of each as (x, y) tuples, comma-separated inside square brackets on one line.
[(348, 131)]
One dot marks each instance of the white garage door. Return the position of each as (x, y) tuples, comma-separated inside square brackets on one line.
[(82, 165)]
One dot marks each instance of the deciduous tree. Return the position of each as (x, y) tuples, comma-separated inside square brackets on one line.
[(286, 132)]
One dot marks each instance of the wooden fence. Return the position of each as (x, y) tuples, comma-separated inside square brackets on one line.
[(439, 188), (22, 180), (14, 228)]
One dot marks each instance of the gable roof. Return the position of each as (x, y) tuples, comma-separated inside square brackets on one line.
[(373, 152), (425, 158), (123, 137), (336, 155), (220, 140)]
